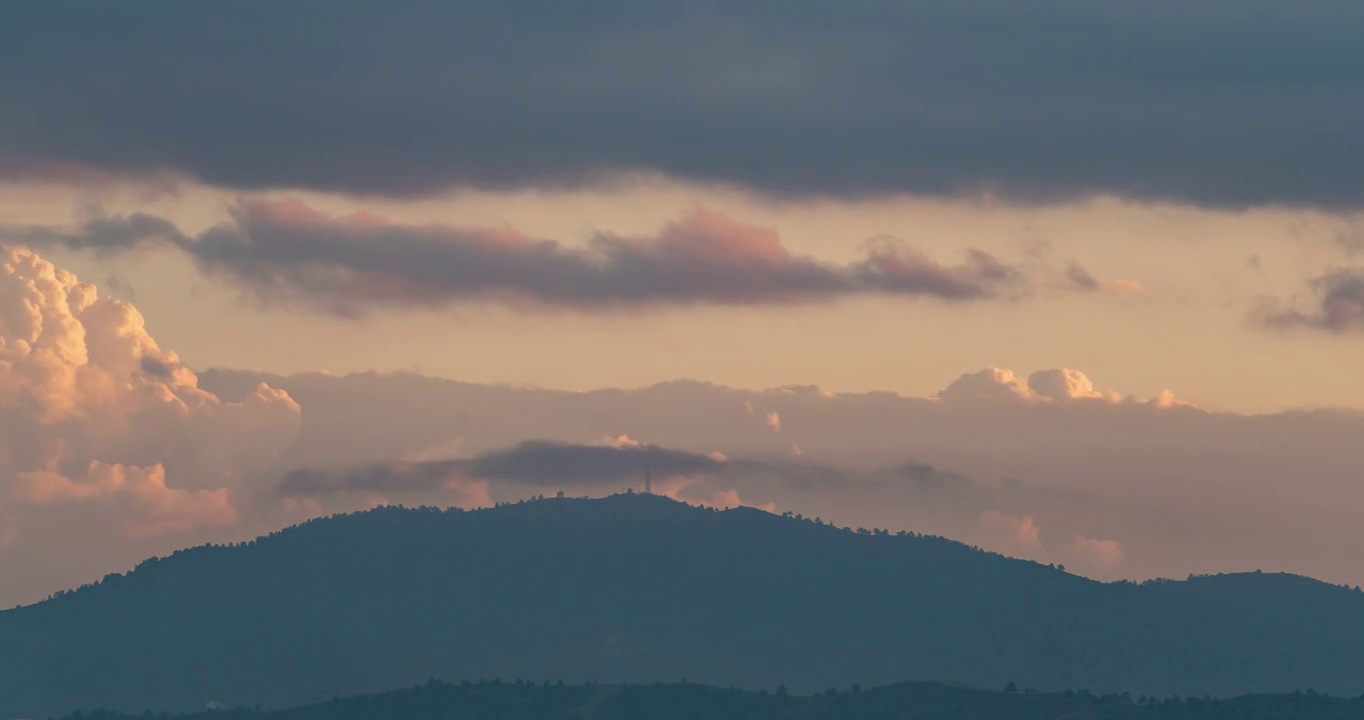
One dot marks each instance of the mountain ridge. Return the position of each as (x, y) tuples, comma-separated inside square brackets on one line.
[(520, 700), (637, 588)]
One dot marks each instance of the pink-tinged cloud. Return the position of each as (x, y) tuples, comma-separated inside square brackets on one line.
[(693, 490), (1079, 278), (1055, 386), (1012, 534), (1124, 286), (96, 420), (1062, 384), (290, 252), (619, 441), (1102, 556)]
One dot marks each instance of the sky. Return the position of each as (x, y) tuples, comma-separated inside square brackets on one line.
[(213, 215)]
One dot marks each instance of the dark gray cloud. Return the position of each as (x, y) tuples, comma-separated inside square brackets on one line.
[(288, 252), (1081, 278), (103, 233), (378, 477), (118, 286), (547, 463), (1224, 102), (552, 464), (154, 366), (538, 463), (1338, 305)]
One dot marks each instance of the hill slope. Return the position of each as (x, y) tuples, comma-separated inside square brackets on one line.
[(640, 588), (920, 700)]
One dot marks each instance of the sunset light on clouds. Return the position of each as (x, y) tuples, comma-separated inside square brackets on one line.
[(1177, 304), (1090, 295)]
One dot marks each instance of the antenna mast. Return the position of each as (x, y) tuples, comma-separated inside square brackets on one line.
[(648, 475)]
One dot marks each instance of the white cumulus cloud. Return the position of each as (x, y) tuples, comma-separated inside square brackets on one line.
[(1055, 385), (97, 422)]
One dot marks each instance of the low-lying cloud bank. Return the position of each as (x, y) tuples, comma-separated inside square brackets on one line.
[(1048, 465), (926, 497), (1054, 99), (532, 464), (112, 450), (289, 252)]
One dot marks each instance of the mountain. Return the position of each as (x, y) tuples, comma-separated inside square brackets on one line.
[(499, 700), (639, 588)]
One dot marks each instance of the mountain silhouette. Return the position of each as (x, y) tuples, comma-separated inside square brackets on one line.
[(518, 700), (640, 588)]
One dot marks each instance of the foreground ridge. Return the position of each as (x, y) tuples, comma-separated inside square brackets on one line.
[(519, 700)]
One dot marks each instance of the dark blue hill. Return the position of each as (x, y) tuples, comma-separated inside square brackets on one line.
[(638, 588)]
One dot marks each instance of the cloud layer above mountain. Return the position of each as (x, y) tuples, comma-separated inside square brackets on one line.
[(1173, 100), (1050, 466), (532, 464), (113, 450)]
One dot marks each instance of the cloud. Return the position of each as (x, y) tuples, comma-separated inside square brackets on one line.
[(104, 233), (1103, 556), (802, 390), (922, 476), (385, 478), (549, 463), (535, 463), (937, 498), (1079, 278), (139, 494), (878, 97), (1056, 385), (989, 384), (1338, 308), (1015, 535), (773, 420), (1182, 489), (607, 465), (700, 478), (102, 429), (1124, 286), (289, 252), (1062, 384)]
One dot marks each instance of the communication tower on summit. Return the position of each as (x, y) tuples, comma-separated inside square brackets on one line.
[(648, 482)]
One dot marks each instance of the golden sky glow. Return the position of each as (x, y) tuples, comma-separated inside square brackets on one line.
[(1200, 274)]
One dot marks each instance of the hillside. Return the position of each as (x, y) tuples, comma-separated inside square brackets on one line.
[(637, 588), (507, 700)]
